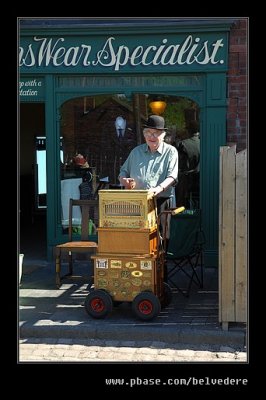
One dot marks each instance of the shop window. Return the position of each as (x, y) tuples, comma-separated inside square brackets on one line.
[(98, 133), (40, 171)]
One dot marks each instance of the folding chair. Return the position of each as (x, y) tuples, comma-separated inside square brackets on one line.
[(82, 227), (185, 249)]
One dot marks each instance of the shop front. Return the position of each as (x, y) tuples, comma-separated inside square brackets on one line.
[(92, 86)]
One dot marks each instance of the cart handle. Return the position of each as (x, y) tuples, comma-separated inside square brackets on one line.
[(177, 210)]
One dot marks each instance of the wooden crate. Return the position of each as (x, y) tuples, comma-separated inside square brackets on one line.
[(128, 241), (125, 276), (133, 209)]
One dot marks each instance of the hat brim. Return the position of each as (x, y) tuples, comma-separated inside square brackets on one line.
[(153, 127)]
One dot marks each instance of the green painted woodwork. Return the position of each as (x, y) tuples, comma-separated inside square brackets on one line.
[(31, 89), (203, 83), (212, 104), (122, 52)]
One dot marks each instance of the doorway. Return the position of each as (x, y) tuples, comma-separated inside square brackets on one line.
[(32, 196)]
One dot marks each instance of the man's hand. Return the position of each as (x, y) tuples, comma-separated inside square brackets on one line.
[(129, 183), (156, 190)]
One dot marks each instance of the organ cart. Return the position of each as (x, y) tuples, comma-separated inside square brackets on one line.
[(129, 263)]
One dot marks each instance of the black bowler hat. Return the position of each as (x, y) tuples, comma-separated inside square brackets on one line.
[(155, 122)]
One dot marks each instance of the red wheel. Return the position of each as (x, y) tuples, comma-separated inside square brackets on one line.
[(146, 306), (98, 304)]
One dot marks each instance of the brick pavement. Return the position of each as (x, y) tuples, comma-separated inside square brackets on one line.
[(97, 351), (54, 327)]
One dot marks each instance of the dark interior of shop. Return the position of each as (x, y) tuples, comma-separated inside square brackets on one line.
[(96, 135)]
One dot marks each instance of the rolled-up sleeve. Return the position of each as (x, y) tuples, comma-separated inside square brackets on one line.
[(124, 170), (173, 164), (130, 168)]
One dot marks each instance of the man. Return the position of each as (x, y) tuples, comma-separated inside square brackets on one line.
[(152, 165)]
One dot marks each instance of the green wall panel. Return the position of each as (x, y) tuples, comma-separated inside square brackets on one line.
[(213, 136), (194, 74)]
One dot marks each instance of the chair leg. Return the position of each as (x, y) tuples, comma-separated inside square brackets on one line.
[(201, 270), (165, 245), (171, 273), (57, 271), (165, 272), (191, 280), (192, 275), (70, 263)]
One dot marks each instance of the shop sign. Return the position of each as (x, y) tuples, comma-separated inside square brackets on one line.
[(31, 89), (116, 54)]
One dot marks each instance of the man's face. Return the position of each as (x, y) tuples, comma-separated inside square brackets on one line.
[(153, 137)]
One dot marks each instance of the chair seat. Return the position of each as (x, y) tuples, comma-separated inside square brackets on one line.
[(78, 245)]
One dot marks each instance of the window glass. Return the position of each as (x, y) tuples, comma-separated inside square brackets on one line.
[(99, 132)]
